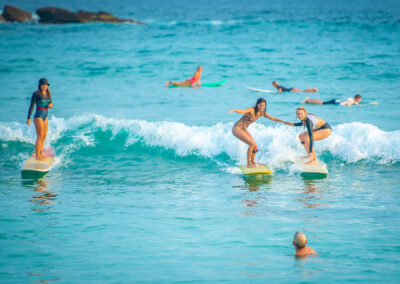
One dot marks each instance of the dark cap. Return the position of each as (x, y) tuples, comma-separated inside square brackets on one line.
[(44, 81)]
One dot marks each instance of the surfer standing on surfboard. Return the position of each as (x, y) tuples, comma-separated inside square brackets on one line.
[(42, 99), (281, 89), (194, 82), (250, 115), (317, 129)]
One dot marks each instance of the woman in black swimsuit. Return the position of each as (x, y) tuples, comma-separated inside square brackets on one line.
[(317, 129)]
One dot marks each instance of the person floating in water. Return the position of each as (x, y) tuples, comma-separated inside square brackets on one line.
[(345, 102), (317, 129), (193, 82), (42, 99), (250, 115), (281, 89), (300, 244)]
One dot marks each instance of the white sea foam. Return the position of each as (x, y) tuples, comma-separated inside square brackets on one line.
[(350, 142)]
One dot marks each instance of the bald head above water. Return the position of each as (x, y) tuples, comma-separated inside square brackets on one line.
[(299, 240)]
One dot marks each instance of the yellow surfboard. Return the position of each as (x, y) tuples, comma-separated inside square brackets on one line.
[(34, 165), (261, 169)]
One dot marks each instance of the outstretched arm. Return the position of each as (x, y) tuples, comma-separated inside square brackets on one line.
[(270, 117), (242, 111)]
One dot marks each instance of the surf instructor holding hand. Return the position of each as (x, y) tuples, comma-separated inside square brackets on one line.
[(42, 99), (317, 129)]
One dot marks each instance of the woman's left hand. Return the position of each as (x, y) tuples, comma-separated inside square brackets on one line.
[(50, 105)]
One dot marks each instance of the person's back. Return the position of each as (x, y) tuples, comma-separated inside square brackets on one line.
[(300, 244)]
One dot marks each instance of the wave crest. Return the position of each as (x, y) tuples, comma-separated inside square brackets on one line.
[(349, 142)]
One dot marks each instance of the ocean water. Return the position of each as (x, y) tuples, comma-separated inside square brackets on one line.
[(145, 186)]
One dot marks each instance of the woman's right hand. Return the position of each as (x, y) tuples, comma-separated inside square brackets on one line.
[(28, 121)]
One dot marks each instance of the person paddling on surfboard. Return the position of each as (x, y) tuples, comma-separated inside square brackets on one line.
[(344, 102), (281, 89), (317, 129), (42, 99), (250, 115), (194, 82)]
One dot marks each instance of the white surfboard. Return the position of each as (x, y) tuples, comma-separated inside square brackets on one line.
[(34, 165), (261, 169), (368, 104), (260, 90), (318, 168)]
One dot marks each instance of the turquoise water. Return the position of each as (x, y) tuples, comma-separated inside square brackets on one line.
[(145, 187)]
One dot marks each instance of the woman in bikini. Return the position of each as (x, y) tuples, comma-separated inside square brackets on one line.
[(317, 129), (193, 82), (42, 99), (250, 115)]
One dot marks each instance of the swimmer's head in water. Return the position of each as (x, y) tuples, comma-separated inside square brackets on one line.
[(261, 105), (358, 98), (275, 84), (299, 240), (301, 113)]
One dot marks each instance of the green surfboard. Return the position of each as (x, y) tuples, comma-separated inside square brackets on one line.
[(210, 84)]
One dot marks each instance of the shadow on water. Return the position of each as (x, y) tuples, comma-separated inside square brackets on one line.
[(312, 196), (42, 195), (253, 182)]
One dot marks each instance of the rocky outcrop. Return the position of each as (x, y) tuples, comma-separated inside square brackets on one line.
[(13, 14), (87, 17), (2, 20), (54, 15)]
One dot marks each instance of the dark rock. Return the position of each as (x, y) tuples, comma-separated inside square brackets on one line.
[(88, 17), (2, 20), (13, 14), (54, 15)]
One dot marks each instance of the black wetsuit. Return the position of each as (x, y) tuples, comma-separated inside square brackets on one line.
[(283, 89), (309, 125)]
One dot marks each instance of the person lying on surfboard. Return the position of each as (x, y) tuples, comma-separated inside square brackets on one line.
[(317, 129), (250, 115), (345, 102), (193, 82), (42, 99), (281, 89)]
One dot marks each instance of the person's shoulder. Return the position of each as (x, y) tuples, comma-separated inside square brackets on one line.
[(305, 251), (309, 250), (35, 93)]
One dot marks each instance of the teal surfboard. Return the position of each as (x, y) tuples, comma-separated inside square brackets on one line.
[(210, 84)]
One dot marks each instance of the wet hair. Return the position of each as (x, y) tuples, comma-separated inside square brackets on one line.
[(274, 83), (260, 100), (299, 240), (358, 96)]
